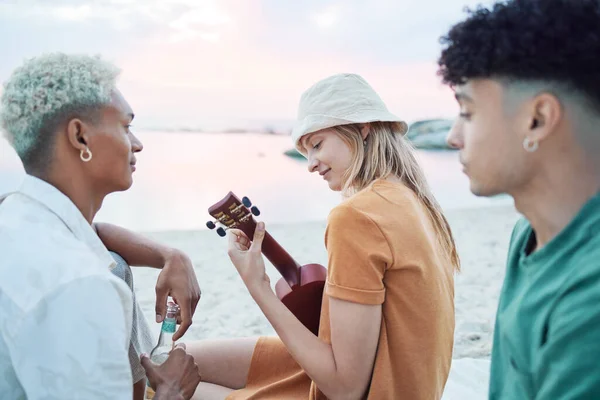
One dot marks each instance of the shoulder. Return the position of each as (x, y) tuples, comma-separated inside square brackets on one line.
[(39, 254), (386, 204), (348, 223), (382, 194), (370, 200), (348, 214), (584, 258), (26, 221)]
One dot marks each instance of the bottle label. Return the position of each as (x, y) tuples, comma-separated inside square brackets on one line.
[(169, 326)]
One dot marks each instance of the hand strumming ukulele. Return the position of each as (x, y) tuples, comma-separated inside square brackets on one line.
[(301, 287)]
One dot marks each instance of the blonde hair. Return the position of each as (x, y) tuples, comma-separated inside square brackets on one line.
[(388, 153)]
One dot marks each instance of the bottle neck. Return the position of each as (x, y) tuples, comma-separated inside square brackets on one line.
[(167, 331)]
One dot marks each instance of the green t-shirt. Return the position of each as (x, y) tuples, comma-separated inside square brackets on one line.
[(547, 334)]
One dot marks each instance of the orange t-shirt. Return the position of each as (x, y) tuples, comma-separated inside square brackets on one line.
[(382, 249)]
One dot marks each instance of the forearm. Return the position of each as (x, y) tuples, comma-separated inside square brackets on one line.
[(139, 390), (315, 357), (136, 249)]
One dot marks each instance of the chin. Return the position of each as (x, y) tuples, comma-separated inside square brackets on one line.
[(128, 184), (480, 190), (124, 185), (336, 187)]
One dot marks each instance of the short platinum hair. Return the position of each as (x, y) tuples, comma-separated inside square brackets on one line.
[(45, 90)]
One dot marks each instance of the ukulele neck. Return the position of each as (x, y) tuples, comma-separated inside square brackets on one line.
[(285, 264)]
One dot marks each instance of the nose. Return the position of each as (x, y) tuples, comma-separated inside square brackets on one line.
[(136, 144), (454, 138), (313, 163)]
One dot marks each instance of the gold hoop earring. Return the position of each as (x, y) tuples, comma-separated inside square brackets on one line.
[(530, 145), (86, 158)]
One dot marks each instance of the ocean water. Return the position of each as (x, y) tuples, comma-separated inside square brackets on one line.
[(180, 174)]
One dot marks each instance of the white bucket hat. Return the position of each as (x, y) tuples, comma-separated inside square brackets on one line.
[(340, 99)]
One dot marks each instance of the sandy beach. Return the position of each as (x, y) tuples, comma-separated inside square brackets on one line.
[(227, 310)]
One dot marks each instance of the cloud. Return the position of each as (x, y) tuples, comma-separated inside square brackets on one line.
[(191, 60), (388, 31), (328, 17), (384, 30), (202, 22), (77, 13), (183, 19)]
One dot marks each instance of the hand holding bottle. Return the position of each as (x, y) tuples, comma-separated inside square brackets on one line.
[(176, 378), (169, 369)]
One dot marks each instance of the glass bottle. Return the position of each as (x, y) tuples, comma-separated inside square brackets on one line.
[(165, 344)]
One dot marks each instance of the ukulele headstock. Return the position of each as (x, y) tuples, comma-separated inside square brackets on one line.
[(231, 212)]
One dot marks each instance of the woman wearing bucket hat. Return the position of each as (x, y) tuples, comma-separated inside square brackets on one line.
[(387, 320)]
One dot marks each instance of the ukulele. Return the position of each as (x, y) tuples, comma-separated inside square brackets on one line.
[(300, 287)]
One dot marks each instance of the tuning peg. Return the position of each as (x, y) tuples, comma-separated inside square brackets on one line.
[(246, 201), (255, 211), (210, 225), (221, 232), (237, 209)]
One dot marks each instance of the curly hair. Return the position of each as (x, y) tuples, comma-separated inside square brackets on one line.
[(552, 41), (45, 92)]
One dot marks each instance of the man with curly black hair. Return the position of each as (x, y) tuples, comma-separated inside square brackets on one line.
[(526, 75)]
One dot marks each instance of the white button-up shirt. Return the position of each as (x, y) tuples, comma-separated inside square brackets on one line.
[(65, 320)]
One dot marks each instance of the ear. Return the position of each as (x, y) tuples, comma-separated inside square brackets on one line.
[(365, 129), (78, 134), (546, 114)]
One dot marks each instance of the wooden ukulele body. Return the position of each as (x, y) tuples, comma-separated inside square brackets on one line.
[(305, 299)]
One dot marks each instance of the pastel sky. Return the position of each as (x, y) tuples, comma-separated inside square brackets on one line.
[(228, 63)]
